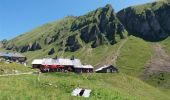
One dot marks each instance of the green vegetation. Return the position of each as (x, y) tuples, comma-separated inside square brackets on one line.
[(166, 44), (134, 56), (160, 80), (90, 37), (104, 87), (139, 9), (42, 32), (9, 68)]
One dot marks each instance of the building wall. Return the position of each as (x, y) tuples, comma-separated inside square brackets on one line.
[(83, 70), (108, 70)]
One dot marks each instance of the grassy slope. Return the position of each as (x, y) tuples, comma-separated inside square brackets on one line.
[(134, 55), (40, 33), (160, 81), (104, 87), (166, 44), (8, 68)]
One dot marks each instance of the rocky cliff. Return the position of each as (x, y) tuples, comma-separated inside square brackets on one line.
[(150, 21)]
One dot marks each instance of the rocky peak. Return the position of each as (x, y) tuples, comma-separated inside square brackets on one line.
[(100, 26)]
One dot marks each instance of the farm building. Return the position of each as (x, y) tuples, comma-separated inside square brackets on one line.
[(61, 65), (107, 69), (84, 69), (37, 63), (16, 57), (67, 63)]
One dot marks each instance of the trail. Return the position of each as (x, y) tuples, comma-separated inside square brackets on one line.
[(113, 57), (160, 62), (28, 73), (113, 61)]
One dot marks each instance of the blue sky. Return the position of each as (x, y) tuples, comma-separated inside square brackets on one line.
[(20, 16)]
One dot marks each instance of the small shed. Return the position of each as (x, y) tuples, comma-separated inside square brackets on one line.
[(107, 69), (37, 63), (13, 57), (18, 57)]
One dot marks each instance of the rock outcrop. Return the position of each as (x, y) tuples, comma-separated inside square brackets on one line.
[(99, 27), (151, 23), (72, 44), (31, 47), (52, 51)]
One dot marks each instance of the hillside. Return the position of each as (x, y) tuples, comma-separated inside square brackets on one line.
[(104, 87), (136, 40), (13, 68)]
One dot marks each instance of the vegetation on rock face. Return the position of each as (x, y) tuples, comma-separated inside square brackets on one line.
[(99, 27), (149, 21)]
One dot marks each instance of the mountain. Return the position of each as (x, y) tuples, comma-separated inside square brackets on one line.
[(102, 37), (102, 32), (95, 28), (135, 39), (150, 21)]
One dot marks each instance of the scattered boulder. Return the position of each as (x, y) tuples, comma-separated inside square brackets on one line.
[(52, 51)]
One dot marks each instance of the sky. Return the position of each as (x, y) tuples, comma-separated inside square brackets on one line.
[(20, 16)]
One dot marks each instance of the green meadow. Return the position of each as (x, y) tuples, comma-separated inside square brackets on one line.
[(58, 86)]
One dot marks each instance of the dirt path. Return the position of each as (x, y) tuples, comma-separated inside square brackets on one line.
[(17, 74), (116, 55), (160, 62), (113, 57)]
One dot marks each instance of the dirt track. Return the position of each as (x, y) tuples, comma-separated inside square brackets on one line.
[(160, 61)]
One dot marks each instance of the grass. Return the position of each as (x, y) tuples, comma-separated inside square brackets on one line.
[(40, 33), (134, 56), (160, 80), (166, 44), (104, 87), (6, 68)]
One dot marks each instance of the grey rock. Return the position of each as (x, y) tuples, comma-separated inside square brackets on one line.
[(52, 51)]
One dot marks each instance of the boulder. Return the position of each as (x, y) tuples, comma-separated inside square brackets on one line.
[(52, 51)]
